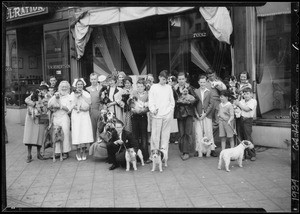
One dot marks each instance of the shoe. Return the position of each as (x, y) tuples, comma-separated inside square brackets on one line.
[(176, 142), (213, 153), (253, 158), (78, 157), (40, 157), (29, 159), (196, 154), (148, 161), (83, 157), (185, 157), (65, 156), (113, 167)]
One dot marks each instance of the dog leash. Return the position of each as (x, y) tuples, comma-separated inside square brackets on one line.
[(234, 132)]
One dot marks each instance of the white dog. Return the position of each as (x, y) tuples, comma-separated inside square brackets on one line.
[(158, 157), (130, 157), (204, 147), (235, 153)]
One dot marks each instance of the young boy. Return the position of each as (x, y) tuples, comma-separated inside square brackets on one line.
[(248, 107), (226, 116)]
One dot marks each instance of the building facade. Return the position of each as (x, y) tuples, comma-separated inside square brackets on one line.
[(40, 43)]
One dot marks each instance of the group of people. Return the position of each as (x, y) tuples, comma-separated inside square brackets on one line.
[(142, 117)]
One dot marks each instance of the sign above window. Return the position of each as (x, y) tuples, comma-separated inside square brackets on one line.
[(14, 13)]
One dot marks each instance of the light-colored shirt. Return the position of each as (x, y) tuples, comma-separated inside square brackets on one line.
[(226, 111), (161, 98), (202, 93), (111, 93), (252, 103)]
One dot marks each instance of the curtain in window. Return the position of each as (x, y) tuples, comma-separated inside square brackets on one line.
[(261, 48)]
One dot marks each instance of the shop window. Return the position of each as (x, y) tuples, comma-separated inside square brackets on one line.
[(274, 74), (57, 54), (23, 64)]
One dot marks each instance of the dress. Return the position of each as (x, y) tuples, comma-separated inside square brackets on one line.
[(33, 132), (82, 130), (61, 118), (95, 107), (123, 95)]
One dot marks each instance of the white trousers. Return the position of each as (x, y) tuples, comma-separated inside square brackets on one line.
[(160, 134), (203, 128)]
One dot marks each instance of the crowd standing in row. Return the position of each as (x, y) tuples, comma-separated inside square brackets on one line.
[(154, 114)]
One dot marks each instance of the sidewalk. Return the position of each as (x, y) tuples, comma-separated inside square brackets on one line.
[(194, 183)]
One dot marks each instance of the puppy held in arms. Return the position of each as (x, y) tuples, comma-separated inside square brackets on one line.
[(158, 157), (235, 153), (57, 138), (130, 157), (204, 147)]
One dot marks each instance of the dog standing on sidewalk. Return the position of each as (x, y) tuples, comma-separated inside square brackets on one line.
[(130, 157), (235, 153), (57, 137), (158, 157)]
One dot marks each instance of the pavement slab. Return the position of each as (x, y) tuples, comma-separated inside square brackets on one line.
[(194, 183)]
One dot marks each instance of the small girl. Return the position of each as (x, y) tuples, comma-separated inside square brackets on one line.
[(226, 116)]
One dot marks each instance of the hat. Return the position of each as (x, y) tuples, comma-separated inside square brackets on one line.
[(163, 74), (128, 78), (101, 78)]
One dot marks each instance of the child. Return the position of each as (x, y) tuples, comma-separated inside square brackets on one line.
[(226, 116), (248, 107)]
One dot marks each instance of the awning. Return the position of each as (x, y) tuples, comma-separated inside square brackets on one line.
[(274, 8), (109, 15)]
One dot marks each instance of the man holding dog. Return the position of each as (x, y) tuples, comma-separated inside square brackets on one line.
[(118, 144)]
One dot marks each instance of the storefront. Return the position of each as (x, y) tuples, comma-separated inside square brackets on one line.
[(146, 40), (37, 46)]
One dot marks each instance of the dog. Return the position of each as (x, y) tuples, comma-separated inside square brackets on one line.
[(57, 137), (204, 147), (235, 153), (158, 157), (130, 157)]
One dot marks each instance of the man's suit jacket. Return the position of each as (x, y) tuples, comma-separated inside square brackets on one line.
[(207, 104), (128, 140)]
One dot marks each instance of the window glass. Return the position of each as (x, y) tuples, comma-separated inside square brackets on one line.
[(274, 91)]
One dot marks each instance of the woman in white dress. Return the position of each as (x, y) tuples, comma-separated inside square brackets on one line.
[(61, 107), (82, 130)]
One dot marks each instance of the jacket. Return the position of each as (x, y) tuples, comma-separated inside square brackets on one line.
[(206, 105)]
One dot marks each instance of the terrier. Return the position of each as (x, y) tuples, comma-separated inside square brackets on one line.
[(57, 137), (130, 157), (204, 147), (158, 157), (235, 153)]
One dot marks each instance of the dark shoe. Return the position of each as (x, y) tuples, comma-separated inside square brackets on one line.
[(253, 159), (29, 159), (196, 154), (185, 157), (40, 157), (113, 167), (213, 153), (148, 161), (65, 156)]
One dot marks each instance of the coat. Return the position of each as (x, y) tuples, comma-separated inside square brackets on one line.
[(206, 105), (184, 110)]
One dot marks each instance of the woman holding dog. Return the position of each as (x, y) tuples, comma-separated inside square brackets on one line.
[(60, 105), (139, 119), (123, 96), (82, 130), (34, 129), (185, 112)]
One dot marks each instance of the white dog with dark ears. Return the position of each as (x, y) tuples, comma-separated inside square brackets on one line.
[(158, 157), (204, 147), (235, 153), (130, 157)]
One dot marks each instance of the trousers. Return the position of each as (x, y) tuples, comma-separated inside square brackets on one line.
[(161, 128)]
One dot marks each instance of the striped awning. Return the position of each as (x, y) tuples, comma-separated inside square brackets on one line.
[(274, 8)]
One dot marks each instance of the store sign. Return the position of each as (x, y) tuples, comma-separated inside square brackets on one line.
[(58, 66), (14, 13)]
